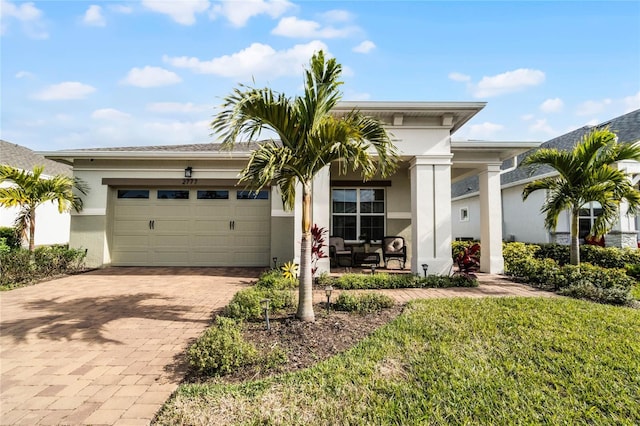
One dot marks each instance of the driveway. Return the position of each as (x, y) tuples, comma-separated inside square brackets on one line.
[(104, 347)]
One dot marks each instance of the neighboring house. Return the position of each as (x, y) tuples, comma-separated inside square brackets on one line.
[(523, 221), (52, 227), (180, 205)]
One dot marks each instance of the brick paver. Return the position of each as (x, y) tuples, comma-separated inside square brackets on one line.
[(106, 347)]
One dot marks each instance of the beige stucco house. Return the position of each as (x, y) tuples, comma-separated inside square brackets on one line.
[(181, 206)]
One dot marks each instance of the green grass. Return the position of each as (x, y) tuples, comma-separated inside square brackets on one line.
[(452, 361)]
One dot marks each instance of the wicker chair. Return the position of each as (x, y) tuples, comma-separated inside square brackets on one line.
[(338, 251), (394, 247)]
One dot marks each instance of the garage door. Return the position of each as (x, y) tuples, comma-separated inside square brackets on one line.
[(191, 227)]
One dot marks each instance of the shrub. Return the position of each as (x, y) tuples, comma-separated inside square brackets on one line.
[(608, 285), (58, 259), (16, 268), (363, 303), (514, 252), (607, 257), (246, 305), (275, 279), (391, 281), (633, 270), (458, 246), (12, 239), (221, 349), (558, 252)]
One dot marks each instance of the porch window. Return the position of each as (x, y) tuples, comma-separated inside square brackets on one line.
[(587, 216), (358, 213)]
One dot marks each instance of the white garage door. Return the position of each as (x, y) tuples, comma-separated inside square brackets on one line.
[(191, 227)]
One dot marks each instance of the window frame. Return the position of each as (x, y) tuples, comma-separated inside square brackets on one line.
[(358, 214)]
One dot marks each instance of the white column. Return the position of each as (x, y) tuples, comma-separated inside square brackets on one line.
[(624, 232), (321, 212), (491, 260), (431, 214)]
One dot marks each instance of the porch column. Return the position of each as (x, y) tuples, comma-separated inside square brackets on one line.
[(491, 260), (431, 214), (624, 232), (321, 212)]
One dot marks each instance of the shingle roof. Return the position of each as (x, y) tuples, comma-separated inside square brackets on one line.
[(215, 147), (626, 126), (23, 158)]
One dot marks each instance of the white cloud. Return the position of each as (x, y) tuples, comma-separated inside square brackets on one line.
[(364, 47), (239, 12), (183, 12), (24, 74), (110, 114), (177, 107), (301, 28), (121, 8), (456, 76), (552, 105), (151, 77), (29, 17), (258, 59), (337, 15), (65, 91), (593, 107), (541, 126), (508, 82), (484, 130), (93, 17), (527, 117), (631, 103)]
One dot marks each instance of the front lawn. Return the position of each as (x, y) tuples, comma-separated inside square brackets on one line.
[(452, 361)]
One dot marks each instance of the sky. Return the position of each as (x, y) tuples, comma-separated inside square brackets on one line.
[(89, 74)]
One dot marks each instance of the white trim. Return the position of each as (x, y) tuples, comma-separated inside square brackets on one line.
[(399, 215), (282, 213)]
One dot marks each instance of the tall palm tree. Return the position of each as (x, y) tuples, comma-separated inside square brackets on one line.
[(310, 139), (30, 190), (586, 173)]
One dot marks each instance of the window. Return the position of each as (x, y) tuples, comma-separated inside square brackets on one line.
[(358, 213), (133, 193), (587, 216), (252, 195), (464, 214), (213, 195), (171, 194)]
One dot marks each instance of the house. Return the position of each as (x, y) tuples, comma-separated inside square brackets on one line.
[(181, 205), (522, 220), (52, 226)]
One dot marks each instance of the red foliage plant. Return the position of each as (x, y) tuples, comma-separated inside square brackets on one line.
[(317, 244)]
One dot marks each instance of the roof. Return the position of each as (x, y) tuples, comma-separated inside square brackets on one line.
[(23, 158), (626, 126)]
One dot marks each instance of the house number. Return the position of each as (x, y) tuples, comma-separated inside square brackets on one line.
[(189, 181)]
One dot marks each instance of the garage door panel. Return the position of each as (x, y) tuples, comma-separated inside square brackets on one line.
[(191, 231)]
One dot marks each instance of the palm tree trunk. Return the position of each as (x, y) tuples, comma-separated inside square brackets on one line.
[(32, 229), (305, 299), (575, 244)]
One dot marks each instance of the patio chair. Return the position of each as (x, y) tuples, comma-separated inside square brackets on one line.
[(338, 251), (394, 247)]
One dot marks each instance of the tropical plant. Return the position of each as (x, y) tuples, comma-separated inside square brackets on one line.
[(310, 139), (586, 173), (30, 190), (290, 270), (318, 242)]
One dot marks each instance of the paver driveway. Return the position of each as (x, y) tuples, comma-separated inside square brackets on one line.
[(103, 347)]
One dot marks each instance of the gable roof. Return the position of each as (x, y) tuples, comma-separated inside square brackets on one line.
[(626, 126), (23, 158)]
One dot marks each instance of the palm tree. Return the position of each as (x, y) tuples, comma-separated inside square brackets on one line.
[(586, 173), (310, 139), (30, 189)]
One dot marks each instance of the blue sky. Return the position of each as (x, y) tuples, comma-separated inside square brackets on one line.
[(82, 74)]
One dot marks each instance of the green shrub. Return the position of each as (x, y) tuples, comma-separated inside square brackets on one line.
[(16, 268), (635, 292), (607, 257), (221, 349), (559, 252), (633, 270), (608, 285), (363, 303), (275, 279), (391, 281), (4, 247), (12, 239), (514, 252), (246, 304), (58, 259)]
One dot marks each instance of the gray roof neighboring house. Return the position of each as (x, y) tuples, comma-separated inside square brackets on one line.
[(626, 126), (23, 158)]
